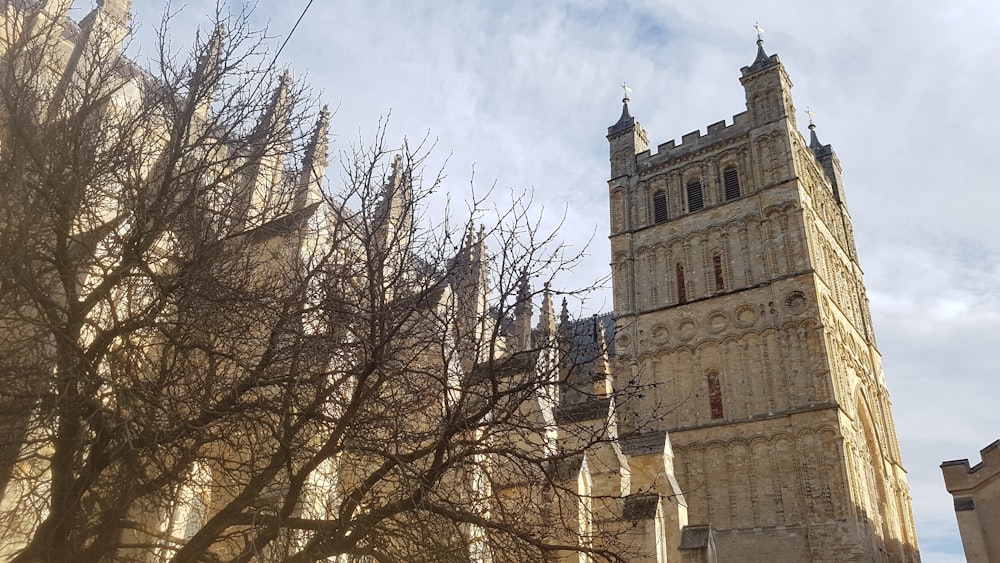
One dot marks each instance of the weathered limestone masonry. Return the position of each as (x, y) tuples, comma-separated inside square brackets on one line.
[(740, 303), (977, 503)]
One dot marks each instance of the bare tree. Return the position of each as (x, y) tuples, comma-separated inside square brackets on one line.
[(206, 356)]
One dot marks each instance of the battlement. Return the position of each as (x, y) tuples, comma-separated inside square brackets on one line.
[(695, 141), (959, 476)]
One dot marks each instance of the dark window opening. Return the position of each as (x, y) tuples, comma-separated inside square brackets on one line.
[(714, 394), (720, 282), (731, 179), (695, 200), (681, 290), (659, 207)]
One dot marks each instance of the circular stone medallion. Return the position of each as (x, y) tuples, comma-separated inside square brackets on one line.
[(795, 302), (745, 316), (686, 329), (717, 322)]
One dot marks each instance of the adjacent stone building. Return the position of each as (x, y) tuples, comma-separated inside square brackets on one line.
[(740, 307), (977, 503)]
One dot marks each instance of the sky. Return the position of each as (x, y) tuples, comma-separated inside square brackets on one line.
[(520, 93)]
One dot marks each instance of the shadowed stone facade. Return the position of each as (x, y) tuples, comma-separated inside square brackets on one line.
[(740, 306)]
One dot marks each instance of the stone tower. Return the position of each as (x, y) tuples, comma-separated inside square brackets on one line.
[(741, 309)]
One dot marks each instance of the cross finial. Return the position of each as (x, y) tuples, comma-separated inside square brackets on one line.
[(760, 31), (626, 89)]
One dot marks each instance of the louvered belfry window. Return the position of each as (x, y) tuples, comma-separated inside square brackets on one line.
[(695, 200), (659, 207), (731, 179)]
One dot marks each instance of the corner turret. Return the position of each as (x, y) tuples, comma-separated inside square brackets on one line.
[(768, 88), (828, 160), (627, 139)]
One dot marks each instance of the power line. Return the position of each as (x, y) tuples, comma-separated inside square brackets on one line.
[(291, 32)]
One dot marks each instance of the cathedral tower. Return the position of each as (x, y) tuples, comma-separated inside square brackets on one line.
[(740, 306)]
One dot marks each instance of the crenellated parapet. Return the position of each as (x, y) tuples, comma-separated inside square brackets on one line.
[(960, 477), (694, 143), (976, 490)]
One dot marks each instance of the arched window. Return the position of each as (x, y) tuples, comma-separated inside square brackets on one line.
[(695, 199), (681, 288), (731, 180), (714, 394), (720, 282), (659, 207)]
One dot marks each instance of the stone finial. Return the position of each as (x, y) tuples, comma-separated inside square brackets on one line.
[(547, 318), (208, 60), (523, 288), (522, 313), (603, 384), (316, 150), (314, 162)]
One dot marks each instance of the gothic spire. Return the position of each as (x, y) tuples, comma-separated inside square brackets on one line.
[(547, 317), (314, 162), (396, 209), (205, 79), (264, 197), (316, 154), (208, 59), (276, 114)]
